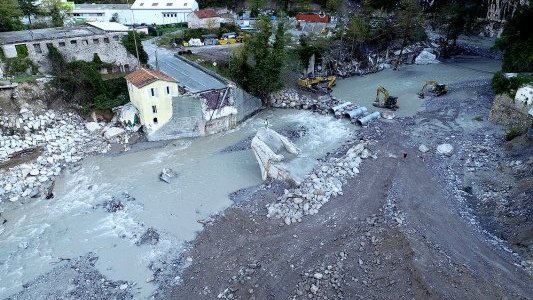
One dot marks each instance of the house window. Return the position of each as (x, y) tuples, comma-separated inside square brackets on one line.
[(169, 3), (85, 42), (185, 4), (129, 87), (154, 109), (155, 4), (106, 40), (152, 92), (96, 41), (168, 90), (61, 44), (155, 120), (37, 48), (115, 37), (76, 14), (73, 42), (142, 4)]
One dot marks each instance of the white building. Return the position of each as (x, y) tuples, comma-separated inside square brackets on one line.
[(157, 12)]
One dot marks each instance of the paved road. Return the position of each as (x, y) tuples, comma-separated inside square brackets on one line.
[(192, 78)]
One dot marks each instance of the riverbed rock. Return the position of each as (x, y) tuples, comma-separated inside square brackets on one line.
[(445, 149), (113, 132), (167, 174), (92, 126), (423, 148), (425, 58)]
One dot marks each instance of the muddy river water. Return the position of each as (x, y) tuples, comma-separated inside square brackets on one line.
[(75, 223)]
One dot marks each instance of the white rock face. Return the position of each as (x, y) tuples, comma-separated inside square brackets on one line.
[(112, 132), (92, 126), (266, 145), (524, 95), (445, 149), (426, 58)]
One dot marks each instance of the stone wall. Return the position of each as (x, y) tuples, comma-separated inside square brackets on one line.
[(507, 112), (108, 46)]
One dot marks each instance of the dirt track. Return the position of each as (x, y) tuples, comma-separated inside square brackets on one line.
[(402, 229)]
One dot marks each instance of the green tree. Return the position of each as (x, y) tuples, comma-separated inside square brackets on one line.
[(358, 32), (258, 66), (454, 17), (28, 8), (114, 18), (516, 41), (10, 14), (256, 5), (387, 5), (57, 11), (334, 6), (410, 26), (133, 41)]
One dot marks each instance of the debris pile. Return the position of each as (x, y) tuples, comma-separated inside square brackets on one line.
[(324, 182), (293, 99), (34, 149)]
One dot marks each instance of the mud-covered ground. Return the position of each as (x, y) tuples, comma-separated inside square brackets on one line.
[(410, 225)]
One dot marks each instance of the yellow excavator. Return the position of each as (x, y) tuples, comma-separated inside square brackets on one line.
[(318, 83), (388, 101), (436, 89)]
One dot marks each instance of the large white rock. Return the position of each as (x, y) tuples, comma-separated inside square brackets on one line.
[(112, 132), (267, 145), (445, 149), (524, 95), (92, 126), (426, 58)]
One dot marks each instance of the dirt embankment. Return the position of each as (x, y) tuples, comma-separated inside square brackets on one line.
[(411, 225)]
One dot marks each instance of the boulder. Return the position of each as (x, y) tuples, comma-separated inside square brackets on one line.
[(92, 126), (445, 149), (267, 146), (426, 58), (167, 174), (423, 148), (112, 132)]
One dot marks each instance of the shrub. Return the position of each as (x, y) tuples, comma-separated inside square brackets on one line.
[(512, 133), (502, 84), (22, 50), (17, 65)]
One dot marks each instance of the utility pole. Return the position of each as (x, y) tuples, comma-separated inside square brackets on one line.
[(134, 37), (156, 60)]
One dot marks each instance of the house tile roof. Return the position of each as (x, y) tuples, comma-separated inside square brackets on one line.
[(313, 18), (206, 13), (143, 77)]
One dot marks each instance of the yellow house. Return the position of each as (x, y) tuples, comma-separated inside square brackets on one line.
[(151, 93)]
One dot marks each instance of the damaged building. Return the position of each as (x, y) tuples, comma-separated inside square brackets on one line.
[(167, 115), (74, 43)]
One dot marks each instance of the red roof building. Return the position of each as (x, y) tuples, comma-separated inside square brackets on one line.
[(143, 77), (205, 13), (313, 18)]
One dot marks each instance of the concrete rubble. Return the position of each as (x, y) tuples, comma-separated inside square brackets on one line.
[(35, 147), (268, 146), (319, 186)]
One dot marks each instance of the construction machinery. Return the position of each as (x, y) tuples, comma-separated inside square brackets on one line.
[(388, 101), (436, 89), (318, 83)]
